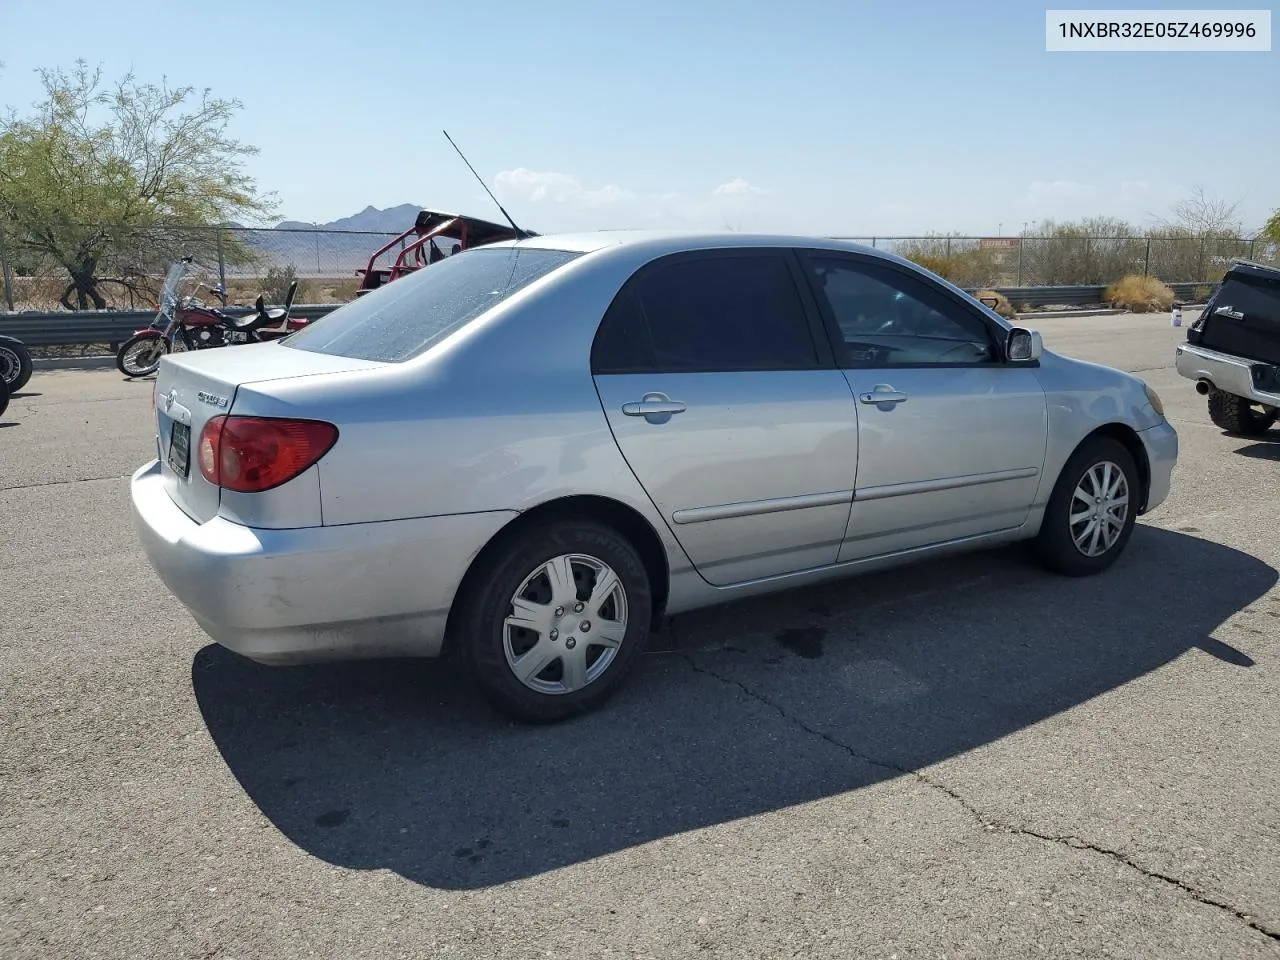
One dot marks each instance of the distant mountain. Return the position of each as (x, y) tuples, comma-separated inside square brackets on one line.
[(391, 220), (320, 249)]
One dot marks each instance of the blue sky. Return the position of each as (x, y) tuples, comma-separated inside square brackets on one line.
[(853, 118)]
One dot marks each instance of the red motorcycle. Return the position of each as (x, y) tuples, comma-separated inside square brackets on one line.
[(188, 324)]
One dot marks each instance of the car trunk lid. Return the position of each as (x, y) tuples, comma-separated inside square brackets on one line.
[(193, 388)]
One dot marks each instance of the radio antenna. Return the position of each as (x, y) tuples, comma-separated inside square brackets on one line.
[(523, 234)]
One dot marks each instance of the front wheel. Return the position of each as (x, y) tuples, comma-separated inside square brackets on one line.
[(139, 356), (15, 364), (1090, 516), (553, 622)]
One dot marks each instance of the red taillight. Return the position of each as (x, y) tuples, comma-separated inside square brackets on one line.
[(252, 454)]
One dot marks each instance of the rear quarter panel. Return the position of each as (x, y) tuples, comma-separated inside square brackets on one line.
[(502, 416)]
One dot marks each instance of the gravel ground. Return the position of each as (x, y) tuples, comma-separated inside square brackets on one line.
[(963, 759)]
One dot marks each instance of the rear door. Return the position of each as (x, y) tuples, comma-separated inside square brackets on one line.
[(951, 438), (721, 392)]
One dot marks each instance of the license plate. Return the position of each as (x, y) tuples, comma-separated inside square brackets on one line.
[(180, 448)]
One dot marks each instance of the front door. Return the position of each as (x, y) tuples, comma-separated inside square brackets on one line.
[(719, 387), (951, 438)]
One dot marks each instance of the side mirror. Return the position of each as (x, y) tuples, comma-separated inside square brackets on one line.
[(991, 302), (1023, 346)]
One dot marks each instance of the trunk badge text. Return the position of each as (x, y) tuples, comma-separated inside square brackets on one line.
[(213, 398)]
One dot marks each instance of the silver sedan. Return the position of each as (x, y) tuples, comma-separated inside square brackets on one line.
[(530, 452)]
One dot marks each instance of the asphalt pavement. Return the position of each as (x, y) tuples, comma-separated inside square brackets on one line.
[(971, 758)]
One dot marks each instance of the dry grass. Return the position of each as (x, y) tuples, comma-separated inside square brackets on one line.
[(1139, 294), (1002, 306)]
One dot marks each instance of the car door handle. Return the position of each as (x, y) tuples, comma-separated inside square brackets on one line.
[(883, 393), (653, 405)]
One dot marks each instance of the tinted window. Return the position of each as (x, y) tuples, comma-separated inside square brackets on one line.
[(888, 318), (707, 313), (403, 318)]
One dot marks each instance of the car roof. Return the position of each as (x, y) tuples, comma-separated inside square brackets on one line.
[(659, 242)]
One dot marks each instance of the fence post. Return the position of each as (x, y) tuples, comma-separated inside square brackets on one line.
[(7, 272), (948, 248), (1022, 242), (1251, 243), (222, 262), (873, 243), (1200, 272), (1146, 261)]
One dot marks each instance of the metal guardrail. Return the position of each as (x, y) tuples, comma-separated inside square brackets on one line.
[(65, 328), (1081, 295), (68, 328)]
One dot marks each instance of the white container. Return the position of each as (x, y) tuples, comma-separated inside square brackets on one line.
[(1175, 318)]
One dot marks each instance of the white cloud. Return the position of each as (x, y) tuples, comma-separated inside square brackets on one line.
[(557, 201), (535, 187), (736, 187)]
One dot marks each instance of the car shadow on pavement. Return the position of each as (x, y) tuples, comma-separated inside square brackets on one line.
[(1265, 450), (763, 704)]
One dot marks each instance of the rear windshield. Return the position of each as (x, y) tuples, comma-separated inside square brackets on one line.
[(402, 319)]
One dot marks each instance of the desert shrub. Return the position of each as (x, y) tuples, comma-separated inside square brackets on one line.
[(275, 285), (956, 259), (344, 291), (1002, 307), (1139, 294)]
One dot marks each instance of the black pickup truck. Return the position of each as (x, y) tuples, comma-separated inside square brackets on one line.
[(1233, 350)]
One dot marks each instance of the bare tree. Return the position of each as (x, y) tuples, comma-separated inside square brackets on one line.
[(1201, 215)]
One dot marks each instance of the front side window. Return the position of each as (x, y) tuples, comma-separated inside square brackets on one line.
[(404, 318), (707, 313), (888, 318)]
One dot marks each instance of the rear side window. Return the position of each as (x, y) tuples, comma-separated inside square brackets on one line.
[(402, 319), (707, 313)]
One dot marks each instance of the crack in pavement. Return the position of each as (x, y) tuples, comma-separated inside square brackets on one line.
[(1067, 840), (55, 483)]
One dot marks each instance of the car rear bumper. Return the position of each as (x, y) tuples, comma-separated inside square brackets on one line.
[(1229, 374), (1161, 444), (314, 593)]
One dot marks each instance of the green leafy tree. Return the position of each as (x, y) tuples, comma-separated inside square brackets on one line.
[(105, 181), (1271, 229)]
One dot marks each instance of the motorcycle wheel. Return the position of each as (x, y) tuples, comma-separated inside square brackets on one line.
[(15, 364), (139, 356)]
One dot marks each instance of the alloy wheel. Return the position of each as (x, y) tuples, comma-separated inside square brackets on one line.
[(1099, 509)]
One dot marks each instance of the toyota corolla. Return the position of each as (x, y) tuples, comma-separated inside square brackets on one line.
[(530, 452)]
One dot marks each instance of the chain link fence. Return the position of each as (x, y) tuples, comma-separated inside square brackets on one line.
[(325, 262), (1076, 260)]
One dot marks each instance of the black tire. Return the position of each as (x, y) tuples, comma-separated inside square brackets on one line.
[(15, 364), (131, 370), (4, 397), (1055, 545), (481, 636), (1239, 415)]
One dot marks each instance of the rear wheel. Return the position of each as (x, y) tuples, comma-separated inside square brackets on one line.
[(1240, 415), (15, 364), (4, 397), (553, 622), (139, 356), (1090, 516)]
